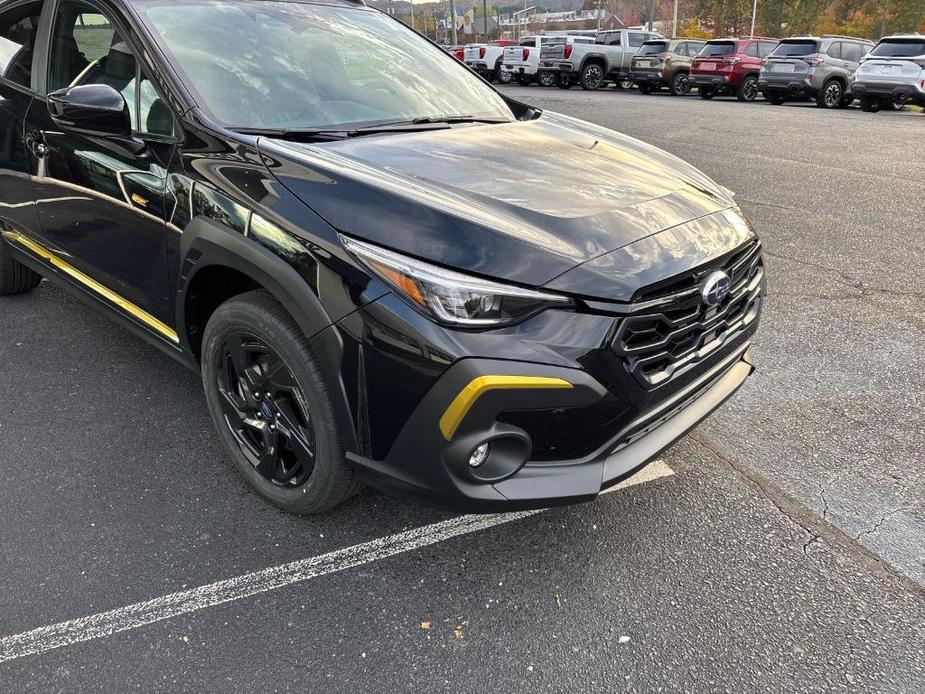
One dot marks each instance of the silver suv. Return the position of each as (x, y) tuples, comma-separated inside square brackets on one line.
[(816, 67), (893, 73)]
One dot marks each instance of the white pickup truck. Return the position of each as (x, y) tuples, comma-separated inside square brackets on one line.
[(608, 59), (522, 61), (485, 58)]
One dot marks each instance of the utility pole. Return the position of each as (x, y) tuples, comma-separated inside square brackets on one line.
[(485, 18), (754, 13), (674, 21), (453, 19)]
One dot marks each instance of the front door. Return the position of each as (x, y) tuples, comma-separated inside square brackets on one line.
[(102, 200)]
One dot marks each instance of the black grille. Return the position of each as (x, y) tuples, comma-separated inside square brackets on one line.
[(674, 329)]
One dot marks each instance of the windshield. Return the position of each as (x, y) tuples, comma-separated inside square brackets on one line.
[(716, 49), (899, 49), (299, 66), (796, 48), (653, 47)]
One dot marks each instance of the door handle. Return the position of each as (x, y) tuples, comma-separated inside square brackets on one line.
[(35, 141)]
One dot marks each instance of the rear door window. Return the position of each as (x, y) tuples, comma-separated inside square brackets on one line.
[(765, 49), (19, 27), (751, 50), (835, 50), (635, 40)]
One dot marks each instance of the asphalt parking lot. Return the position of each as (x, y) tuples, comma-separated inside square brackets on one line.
[(780, 547)]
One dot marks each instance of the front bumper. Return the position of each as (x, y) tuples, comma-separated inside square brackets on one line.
[(424, 463)]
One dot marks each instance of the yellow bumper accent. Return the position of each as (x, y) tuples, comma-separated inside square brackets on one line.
[(463, 402), (68, 269)]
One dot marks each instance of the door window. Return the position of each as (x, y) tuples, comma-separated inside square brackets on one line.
[(87, 49), (18, 29), (851, 52), (751, 50), (835, 50), (636, 40), (765, 49)]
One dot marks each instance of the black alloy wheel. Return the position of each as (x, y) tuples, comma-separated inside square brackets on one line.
[(680, 84), (564, 81), (592, 76), (748, 90), (505, 77), (265, 410), (270, 404), (831, 95), (545, 78)]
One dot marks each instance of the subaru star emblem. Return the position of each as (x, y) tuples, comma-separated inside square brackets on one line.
[(715, 287)]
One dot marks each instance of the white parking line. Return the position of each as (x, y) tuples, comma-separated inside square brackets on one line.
[(184, 602)]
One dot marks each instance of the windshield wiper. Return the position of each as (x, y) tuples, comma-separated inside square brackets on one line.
[(298, 135), (333, 134)]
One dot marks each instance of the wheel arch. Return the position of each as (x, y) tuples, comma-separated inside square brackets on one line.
[(597, 58), (210, 251)]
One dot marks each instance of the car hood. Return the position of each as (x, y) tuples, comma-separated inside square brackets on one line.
[(523, 201)]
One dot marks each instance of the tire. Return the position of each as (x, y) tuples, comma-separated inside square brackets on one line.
[(645, 88), (831, 95), (505, 77), (894, 104), (846, 102), (680, 84), (623, 84), (870, 104), (545, 78), (15, 278), (524, 80), (774, 99), (286, 417), (495, 75), (705, 93), (592, 77), (748, 90), (563, 81)]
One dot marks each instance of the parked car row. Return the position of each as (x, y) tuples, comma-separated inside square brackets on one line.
[(831, 70)]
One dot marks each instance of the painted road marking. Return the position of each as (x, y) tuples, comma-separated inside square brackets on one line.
[(140, 614)]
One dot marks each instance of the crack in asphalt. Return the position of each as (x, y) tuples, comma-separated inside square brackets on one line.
[(815, 526), (846, 279), (780, 501)]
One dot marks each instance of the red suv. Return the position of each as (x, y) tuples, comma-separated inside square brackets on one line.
[(730, 66)]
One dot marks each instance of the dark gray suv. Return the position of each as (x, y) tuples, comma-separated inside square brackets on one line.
[(815, 67)]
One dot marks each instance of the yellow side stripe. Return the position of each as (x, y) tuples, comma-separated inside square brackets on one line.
[(68, 269), (463, 402)]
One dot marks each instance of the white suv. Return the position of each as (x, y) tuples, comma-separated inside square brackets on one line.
[(892, 73)]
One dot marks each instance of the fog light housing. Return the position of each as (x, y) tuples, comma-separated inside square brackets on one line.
[(479, 455)]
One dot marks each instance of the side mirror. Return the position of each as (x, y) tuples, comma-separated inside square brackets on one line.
[(91, 109)]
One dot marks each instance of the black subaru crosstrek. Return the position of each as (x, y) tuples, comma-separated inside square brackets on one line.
[(326, 215)]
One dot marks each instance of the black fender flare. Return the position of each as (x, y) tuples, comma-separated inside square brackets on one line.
[(206, 243), (597, 58)]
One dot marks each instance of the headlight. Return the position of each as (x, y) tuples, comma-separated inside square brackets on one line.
[(452, 297)]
